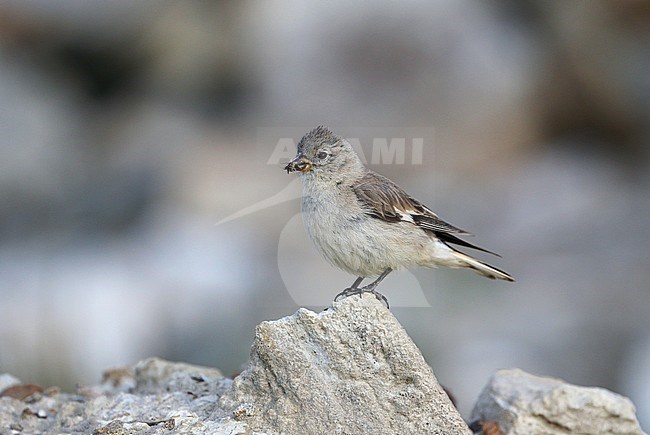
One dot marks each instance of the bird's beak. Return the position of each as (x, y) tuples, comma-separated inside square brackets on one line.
[(298, 164)]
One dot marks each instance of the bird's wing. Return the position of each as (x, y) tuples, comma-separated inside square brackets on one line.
[(385, 200)]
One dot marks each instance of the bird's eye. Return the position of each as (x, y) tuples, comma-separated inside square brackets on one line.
[(322, 155)]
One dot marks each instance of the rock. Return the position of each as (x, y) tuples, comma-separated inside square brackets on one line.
[(6, 381), (349, 369), (522, 403), (153, 374), (166, 396), (21, 391)]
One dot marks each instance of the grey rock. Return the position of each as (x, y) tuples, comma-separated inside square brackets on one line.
[(154, 374), (167, 398), (524, 404), (7, 380), (349, 369)]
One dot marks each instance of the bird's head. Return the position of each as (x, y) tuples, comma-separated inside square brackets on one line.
[(322, 152)]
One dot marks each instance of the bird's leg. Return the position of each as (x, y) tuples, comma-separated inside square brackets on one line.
[(354, 290), (370, 288)]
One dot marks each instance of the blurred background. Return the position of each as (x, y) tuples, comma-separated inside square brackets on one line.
[(128, 130)]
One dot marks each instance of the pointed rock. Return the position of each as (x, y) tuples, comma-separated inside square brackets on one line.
[(349, 369)]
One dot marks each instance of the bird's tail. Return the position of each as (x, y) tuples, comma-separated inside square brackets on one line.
[(482, 268)]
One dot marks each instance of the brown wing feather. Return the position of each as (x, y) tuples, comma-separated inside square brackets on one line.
[(382, 198), (385, 200)]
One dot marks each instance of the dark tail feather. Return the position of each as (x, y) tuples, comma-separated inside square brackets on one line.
[(448, 238)]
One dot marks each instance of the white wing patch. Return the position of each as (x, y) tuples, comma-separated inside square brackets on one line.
[(405, 216)]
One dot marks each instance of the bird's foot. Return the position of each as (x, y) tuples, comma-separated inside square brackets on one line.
[(351, 291), (381, 298)]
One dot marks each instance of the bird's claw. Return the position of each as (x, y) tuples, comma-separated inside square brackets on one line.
[(360, 291), (347, 292), (381, 298)]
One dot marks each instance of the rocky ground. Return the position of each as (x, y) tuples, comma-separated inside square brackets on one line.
[(350, 369)]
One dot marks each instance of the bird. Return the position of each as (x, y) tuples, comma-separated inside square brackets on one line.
[(365, 224)]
